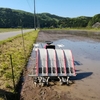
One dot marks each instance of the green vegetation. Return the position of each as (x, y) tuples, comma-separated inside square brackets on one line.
[(14, 46), (94, 19), (10, 18), (8, 29), (78, 29)]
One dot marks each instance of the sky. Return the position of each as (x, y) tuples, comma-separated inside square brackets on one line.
[(63, 8)]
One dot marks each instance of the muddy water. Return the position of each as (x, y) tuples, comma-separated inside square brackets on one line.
[(84, 49), (87, 59), (87, 62), (86, 55)]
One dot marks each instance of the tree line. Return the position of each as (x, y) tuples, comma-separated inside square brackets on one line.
[(10, 18)]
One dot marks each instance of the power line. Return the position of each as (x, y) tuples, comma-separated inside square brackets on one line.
[(34, 16), (29, 5), (33, 11)]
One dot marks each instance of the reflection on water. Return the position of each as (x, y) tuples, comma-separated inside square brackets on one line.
[(87, 49)]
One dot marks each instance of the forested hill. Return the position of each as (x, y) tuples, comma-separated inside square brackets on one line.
[(16, 18)]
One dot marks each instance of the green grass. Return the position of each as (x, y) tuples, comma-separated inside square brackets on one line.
[(8, 30), (14, 46), (85, 29), (80, 29)]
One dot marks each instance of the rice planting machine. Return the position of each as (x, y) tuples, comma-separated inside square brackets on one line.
[(51, 63)]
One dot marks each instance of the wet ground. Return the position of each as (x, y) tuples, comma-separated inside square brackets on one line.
[(86, 54)]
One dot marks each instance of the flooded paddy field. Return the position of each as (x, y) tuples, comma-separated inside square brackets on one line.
[(86, 53)]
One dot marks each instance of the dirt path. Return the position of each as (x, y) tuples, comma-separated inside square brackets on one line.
[(87, 59)]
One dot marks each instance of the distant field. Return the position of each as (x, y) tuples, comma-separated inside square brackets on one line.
[(8, 29), (91, 33), (81, 29)]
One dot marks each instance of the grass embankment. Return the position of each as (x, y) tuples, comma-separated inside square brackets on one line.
[(14, 46), (91, 33)]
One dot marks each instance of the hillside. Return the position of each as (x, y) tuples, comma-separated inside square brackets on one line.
[(15, 18), (10, 18)]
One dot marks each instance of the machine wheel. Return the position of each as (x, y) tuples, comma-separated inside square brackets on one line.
[(68, 84), (61, 83), (42, 84)]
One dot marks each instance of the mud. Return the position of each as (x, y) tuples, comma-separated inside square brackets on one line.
[(86, 54)]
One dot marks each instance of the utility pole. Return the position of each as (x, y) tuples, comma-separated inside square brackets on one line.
[(34, 17), (13, 77), (38, 24)]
